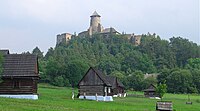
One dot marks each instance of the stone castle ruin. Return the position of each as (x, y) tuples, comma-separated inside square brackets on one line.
[(65, 37), (97, 28)]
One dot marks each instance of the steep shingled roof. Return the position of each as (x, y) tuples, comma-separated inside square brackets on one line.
[(102, 76), (150, 88), (20, 65), (114, 81), (120, 83), (108, 80)]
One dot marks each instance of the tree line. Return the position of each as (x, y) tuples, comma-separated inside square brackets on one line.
[(176, 61)]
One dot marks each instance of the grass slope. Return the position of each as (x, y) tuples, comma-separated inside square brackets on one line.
[(56, 98)]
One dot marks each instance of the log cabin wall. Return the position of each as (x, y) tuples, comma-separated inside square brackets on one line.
[(91, 90), (94, 82), (17, 86)]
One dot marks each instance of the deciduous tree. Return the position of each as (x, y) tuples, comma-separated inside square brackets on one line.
[(161, 89)]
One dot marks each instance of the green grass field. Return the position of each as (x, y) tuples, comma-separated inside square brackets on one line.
[(56, 98)]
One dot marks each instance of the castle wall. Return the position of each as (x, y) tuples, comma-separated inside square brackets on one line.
[(137, 39), (63, 37)]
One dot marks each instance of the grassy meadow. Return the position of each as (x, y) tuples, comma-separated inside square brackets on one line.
[(59, 98)]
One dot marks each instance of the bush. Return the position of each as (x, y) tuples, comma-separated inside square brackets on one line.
[(198, 100), (67, 83), (59, 81)]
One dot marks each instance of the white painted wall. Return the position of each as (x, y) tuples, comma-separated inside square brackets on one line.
[(31, 96)]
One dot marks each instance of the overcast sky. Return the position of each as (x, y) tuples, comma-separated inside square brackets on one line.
[(25, 24)]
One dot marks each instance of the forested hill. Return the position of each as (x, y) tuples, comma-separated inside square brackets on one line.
[(115, 55)]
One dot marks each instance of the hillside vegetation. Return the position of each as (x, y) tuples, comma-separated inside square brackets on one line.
[(177, 61), (53, 98)]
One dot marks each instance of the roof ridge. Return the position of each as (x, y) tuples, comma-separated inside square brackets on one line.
[(95, 14)]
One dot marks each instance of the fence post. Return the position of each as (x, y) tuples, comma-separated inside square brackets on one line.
[(84, 95), (96, 97)]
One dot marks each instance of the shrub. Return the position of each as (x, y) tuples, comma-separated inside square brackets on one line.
[(198, 100), (59, 81)]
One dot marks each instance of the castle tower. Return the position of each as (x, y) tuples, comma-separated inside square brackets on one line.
[(65, 37), (95, 24)]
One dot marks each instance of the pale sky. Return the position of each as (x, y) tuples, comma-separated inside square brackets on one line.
[(25, 24)]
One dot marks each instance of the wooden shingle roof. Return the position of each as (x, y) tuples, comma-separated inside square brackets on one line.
[(20, 65), (120, 83), (114, 81), (107, 80), (150, 88), (102, 76)]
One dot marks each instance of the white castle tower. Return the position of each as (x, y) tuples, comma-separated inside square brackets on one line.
[(95, 24)]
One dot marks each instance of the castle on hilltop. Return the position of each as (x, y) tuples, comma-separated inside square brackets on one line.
[(97, 28)]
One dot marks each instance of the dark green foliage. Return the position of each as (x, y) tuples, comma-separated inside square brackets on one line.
[(184, 50), (37, 52), (120, 75), (134, 80), (176, 61), (75, 70), (137, 61), (59, 81), (196, 78), (161, 89), (42, 70), (164, 73), (49, 53), (178, 81), (159, 51), (193, 63), (148, 81), (181, 80)]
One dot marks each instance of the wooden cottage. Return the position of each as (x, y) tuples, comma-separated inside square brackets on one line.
[(117, 88), (20, 76), (95, 84), (150, 91)]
